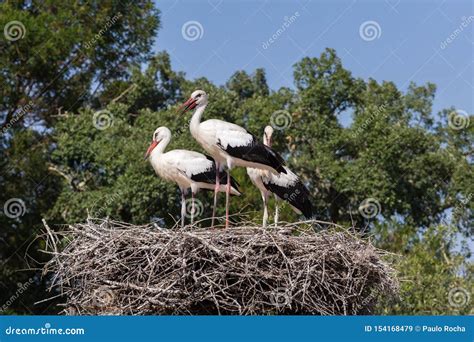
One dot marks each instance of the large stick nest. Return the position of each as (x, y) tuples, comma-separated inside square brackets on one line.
[(105, 267)]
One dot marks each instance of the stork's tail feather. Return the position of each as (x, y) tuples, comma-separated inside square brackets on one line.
[(307, 209), (233, 183), (296, 195)]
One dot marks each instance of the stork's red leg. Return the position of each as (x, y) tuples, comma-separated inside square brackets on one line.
[(227, 196), (277, 211), (192, 207), (265, 208), (216, 190), (183, 208)]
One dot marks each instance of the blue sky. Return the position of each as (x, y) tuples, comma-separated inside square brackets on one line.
[(410, 41), (409, 44)]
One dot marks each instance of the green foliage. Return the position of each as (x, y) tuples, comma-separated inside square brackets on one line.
[(67, 49), (416, 166), (244, 86), (25, 180), (435, 276)]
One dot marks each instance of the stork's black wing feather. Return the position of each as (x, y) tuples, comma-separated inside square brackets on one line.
[(296, 194), (256, 152), (209, 176)]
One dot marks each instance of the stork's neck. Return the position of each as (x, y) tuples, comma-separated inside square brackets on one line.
[(196, 119), (267, 140)]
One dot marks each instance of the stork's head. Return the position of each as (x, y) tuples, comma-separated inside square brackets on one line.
[(160, 134), (267, 135), (198, 98)]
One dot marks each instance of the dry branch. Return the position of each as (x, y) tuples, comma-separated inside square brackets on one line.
[(106, 267)]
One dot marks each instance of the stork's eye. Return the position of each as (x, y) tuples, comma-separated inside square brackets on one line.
[(198, 96)]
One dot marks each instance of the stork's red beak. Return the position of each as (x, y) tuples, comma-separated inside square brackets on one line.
[(150, 148), (188, 105)]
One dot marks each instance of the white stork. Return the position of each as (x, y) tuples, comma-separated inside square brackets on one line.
[(229, 144), (188, 169), (285, 186)]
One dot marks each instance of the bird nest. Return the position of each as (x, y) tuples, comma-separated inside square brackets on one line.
[(106, 267)]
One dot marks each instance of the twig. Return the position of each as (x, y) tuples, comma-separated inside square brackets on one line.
[(110, 267)]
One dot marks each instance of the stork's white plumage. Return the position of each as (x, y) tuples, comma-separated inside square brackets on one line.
[(285, 186), (188, 169), (229, 144)]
